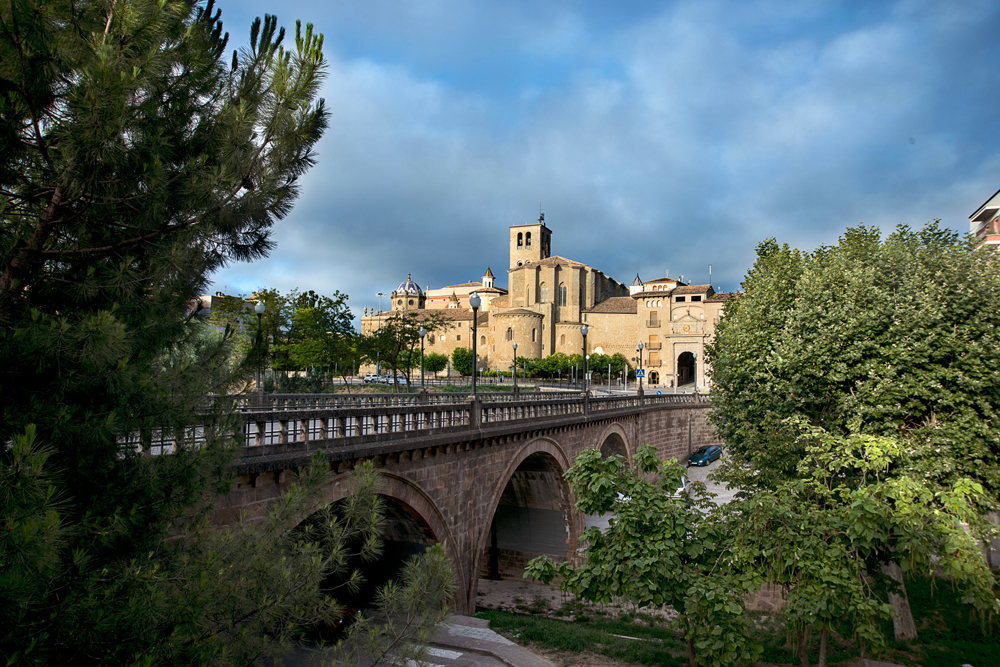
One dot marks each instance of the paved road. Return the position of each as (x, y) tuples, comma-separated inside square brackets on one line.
[(700, 474)]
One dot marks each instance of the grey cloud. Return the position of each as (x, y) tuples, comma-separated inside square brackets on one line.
[(706, 139)]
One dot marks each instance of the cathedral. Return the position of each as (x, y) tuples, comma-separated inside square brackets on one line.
[(550, 298)]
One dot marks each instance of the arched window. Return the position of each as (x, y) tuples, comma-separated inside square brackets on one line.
[(659, 303), (482, 340), (543, 293), (562, 294), (520, 240), (527, 240), (510, 334), (562, 339), (533, 331)]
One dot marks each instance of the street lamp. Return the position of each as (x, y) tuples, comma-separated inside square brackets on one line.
[(474, 301), (514, 345), (640, 366), (584, 330), (423, 332), (378, 353), (259, 309)]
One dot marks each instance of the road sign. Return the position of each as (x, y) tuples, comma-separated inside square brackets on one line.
[(658, 392), (640, 372)]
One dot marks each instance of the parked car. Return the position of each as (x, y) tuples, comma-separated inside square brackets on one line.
[(402, 380), (371, 377), (705, 455)]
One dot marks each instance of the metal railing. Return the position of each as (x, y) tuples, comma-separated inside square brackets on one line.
[(300, 418)]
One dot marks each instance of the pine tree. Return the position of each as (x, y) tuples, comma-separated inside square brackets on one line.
[(136, 157)]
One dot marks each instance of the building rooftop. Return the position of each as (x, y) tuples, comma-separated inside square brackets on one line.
[(693, 289), (616, 304)]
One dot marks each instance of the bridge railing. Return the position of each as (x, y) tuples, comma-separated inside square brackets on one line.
[(273, 402), (299, 418)]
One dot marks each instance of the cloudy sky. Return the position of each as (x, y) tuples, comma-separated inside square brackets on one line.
[(656, 136)]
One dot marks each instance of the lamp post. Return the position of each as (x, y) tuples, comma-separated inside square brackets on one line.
[(423, 332), (514, 345), (474, 301), (640, 367), (378, 353), (694, 374), (259, 309), (584, 330)]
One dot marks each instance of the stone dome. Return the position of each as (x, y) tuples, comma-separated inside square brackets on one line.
[(408, 287)]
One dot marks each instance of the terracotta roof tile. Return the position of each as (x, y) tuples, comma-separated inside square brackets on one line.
[(723, 296), (616, 304), (693, 289)]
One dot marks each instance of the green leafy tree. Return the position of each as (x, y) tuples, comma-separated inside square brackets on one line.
[(435, 362), (397, 343), (893, 337), (322, 333), (136, 157), (659, 549), (461, 360), (827, 534), (900, 335)]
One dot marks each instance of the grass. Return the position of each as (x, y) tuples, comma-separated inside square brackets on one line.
[(653, 644), (948, 636)]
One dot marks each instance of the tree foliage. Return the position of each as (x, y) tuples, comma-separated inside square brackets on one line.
[(397, 343), (897, 337), (659, 549), (435, 362), (137, 156), (828, 533), (461, 360)]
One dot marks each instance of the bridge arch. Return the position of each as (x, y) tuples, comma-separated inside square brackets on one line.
[(530, 513), (615, 440), (410, 511)]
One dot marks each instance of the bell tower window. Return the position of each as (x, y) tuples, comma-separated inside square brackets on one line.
[(520, 240), (527, 240)]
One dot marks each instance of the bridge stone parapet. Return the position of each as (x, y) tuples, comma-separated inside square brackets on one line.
[(483, 476)]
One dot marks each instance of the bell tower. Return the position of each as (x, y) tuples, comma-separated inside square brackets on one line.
[(530, 243)]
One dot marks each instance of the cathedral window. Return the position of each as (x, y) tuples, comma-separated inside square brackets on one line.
[(520, 240), (562, 294), (533, 331), (527, 240), (562, 339), (543, 293), (510, 334), (482, 340)]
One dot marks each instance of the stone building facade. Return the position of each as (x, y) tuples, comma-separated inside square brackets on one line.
[(547, 301)]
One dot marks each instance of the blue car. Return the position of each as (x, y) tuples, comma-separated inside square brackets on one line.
[(705, 455)]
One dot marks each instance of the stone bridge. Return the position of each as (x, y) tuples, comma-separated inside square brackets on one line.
[(481, 475)]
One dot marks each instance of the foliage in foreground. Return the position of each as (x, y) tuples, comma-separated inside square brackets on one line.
[(205, 596), (949, 635), (828, 535), (137, 156), (825, 536), (660, 549)]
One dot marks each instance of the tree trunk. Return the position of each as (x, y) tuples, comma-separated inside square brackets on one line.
[(822, 646), (902, 624), (691, 656), (803, 641)]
